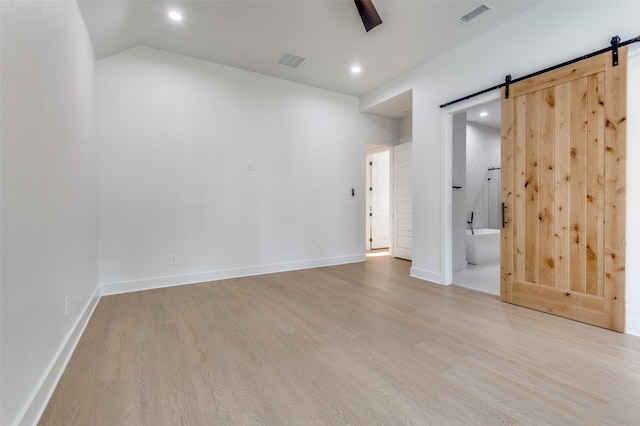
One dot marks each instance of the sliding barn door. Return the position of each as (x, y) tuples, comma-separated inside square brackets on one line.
[(563, 189)]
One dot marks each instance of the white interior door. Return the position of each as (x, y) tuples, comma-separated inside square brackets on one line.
[(403, 202), (379, 196)]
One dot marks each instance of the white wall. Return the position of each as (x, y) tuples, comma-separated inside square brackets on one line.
[(380, 130), (49, 217), (482, 153), (386, 131), (176, 136), (547, 34), (406, 129)]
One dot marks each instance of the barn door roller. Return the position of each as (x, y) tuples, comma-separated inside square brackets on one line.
[(615, 40)]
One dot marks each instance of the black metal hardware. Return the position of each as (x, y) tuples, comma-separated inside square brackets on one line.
[(507, 81), (353, 192), (613, 48), (456, 187), (615, 40), (504, 219)]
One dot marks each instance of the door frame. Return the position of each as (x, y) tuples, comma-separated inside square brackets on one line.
[(446, 238)]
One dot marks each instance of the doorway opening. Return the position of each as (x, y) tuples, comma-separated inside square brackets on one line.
[(475, 200), (389, 206), (378, 199)]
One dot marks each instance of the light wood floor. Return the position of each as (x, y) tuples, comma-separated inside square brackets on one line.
[(358, 344)]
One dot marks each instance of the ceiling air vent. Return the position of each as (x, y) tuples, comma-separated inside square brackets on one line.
[(474, 13), (290, 60)]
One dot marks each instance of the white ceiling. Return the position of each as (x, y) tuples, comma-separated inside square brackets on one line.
[(251, 35), (492, 119), (399, 106)]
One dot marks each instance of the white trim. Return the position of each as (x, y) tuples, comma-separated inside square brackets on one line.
[(423, 274), (447, 170), (392, 200), (632, 271), (446, 236), (633, 326), (40, 396), (175, 280)]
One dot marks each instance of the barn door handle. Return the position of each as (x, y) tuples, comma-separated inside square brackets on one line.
[(504, 221)]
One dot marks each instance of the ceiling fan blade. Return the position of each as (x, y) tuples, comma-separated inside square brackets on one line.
[(368, 14)]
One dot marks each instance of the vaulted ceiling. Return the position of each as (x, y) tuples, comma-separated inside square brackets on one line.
[(252, 35)]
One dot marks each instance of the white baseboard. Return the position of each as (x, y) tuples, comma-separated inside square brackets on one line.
[(633, 326), (423, 274), (40, 397), (174, 280)]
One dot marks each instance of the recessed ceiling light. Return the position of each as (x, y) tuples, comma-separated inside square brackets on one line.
[(355, 69), (484, 114), (175, 16)]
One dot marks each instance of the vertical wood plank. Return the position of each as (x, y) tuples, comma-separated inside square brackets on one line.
[(507, 129), (595, 188), (520, 196), (615, 189), (546, 188), (562, 179), (568, 174), (531, 187), (578, 189)]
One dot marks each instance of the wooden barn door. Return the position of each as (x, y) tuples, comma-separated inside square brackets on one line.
[(563, 188)]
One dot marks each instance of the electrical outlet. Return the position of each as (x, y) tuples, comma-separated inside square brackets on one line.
[(173, 259), (66, 306)]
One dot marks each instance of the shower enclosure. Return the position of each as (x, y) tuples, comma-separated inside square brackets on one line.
[(493, 198), (483, 244)]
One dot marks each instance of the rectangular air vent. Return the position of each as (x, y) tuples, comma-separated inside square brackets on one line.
[(474, 13), (290, 60)]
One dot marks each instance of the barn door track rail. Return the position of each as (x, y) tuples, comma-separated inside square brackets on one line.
[(615, 44)]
